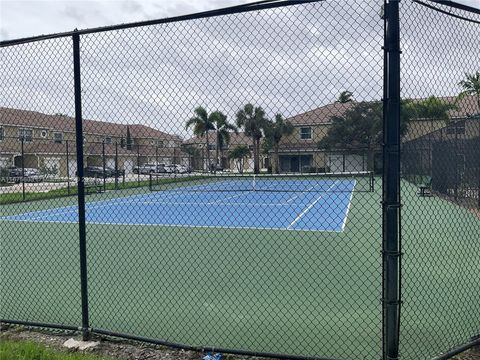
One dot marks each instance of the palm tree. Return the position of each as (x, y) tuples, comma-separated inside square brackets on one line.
[(252, 119), (345, 97), (274, 132), (223, 130), (471, 86), (239, 153), (202, 124)]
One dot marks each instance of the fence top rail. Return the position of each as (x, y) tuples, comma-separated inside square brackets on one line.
[(254, 6)]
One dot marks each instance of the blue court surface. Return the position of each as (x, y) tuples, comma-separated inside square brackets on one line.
[(320, 205)]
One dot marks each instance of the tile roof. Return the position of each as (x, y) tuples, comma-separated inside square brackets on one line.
[(17, 117), (467, 106)]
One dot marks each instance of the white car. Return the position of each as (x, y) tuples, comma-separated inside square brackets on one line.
[(170, 169), (181, 169)]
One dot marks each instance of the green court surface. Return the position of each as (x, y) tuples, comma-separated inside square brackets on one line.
[(310, 293)]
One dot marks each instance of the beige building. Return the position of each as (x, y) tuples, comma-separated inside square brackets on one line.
[(299, 152), (200, 160), (49, 143)]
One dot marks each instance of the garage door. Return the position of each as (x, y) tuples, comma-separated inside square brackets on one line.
[(72, 168), (110, 162), (347, 162), (3, 163), (52, 166), (128, 166)]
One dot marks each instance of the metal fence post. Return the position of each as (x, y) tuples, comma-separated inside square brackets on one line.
[(81, 186), (103, 165), (391, 184), (68, 167), (116, 165), (23, 167)]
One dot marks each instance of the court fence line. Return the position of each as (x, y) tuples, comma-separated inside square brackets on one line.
[(406, 167)]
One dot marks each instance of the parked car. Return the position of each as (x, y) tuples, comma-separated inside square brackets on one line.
[(97, 172), (214, 167), (32, 175), (170, 169), (14, 172), (181, 169), (119, 172), (145, 169), (160, 169)]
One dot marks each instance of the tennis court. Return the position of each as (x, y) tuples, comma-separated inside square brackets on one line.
[(206, 270), (308, 205)]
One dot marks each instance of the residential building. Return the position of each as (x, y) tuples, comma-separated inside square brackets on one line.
[(48, 143)]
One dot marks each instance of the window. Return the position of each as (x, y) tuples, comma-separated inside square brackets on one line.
[(305, 133), (211, 147), (108, 140), (122, 142), (2, 134), (25, 134), (57, 137)]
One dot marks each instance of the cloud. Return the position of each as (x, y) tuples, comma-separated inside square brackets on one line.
[(288, 60), (131, 6), (4, 35), (74, 13)]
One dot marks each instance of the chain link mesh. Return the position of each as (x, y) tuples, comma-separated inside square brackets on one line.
[(233, 178)]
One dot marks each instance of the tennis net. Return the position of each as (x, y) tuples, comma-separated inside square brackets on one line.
[(362, 181)]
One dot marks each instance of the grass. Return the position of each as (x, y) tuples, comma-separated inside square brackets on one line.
[(293, 292), (27, 350)]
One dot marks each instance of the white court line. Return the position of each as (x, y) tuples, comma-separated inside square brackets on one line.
[(348, 207), (309, 207), (175, 225), (296, 196), (228, 197)]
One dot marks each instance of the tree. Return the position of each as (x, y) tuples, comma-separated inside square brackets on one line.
[(193, 155), (274, 132), (223, 130), (129, 139), (239, 154), (471, 86), (202, 123), (252, 120), (360, 129), (429, 109), (345, 97)]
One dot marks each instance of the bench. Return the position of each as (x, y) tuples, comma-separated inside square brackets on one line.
[(425, 186)]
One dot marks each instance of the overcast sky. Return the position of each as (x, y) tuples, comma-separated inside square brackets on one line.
[(287, 60)]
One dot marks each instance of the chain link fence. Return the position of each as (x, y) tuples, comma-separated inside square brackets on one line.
[(223, 176)]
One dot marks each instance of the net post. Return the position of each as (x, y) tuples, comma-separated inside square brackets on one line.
[(391, 184), (81, 186)]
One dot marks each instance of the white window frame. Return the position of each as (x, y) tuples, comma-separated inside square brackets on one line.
[(56, 141), (21, 135), (301, 133)]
